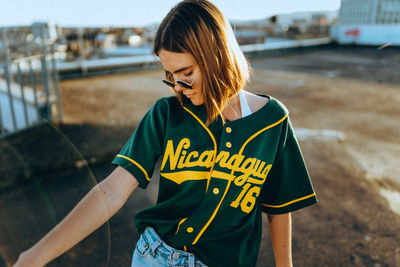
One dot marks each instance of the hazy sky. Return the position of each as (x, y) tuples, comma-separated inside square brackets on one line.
[(139, 12)]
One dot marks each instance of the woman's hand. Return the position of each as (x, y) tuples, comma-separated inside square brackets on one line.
[(25, 259), (97, 207)]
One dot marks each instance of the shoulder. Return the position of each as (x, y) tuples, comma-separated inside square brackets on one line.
[(255, 102), (261, 102), (278, 106), (166, 103)]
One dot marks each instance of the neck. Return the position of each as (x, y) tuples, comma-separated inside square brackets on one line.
[(232, 110)]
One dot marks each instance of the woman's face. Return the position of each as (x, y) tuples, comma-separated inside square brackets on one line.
[(182, 66)]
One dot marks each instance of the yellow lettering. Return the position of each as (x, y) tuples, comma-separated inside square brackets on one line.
[(174, 156), (247, 169), (253, 170), (262, 177), (181, 158), (266, 171), (250, 199), (223, 156), (236, 202), (247, 165), (188, 163), (259, 168), (234, 162), (206, 158), (255, 180)]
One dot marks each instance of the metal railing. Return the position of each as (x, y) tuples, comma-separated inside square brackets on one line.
[(29, 84)]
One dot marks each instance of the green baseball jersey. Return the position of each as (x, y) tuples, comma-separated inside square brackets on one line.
[(216, 179)]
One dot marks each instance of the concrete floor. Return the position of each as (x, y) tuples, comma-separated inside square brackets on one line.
[(353, 90)]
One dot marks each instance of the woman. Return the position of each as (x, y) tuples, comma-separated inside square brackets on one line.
[(226, 156)]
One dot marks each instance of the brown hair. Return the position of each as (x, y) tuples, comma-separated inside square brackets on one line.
[(199, 28)]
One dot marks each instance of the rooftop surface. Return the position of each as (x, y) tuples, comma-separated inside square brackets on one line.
[(353, 90)]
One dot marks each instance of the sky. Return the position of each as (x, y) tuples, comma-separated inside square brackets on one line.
[(130, 13)]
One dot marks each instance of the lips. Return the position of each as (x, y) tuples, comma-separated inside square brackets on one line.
[(189, 95)]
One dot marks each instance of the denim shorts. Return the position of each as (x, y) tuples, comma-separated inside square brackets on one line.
[(152, 251)]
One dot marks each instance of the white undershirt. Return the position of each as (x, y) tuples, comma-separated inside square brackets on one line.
[(244, 106)]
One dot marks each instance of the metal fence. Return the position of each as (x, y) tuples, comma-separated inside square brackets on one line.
[(29, 87)]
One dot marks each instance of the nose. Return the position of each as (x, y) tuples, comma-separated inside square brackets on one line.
[(179, 88)]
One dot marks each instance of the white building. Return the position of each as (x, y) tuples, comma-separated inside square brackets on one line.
[(368, 22)]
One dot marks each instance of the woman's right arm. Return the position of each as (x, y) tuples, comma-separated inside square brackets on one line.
[(97, 207)]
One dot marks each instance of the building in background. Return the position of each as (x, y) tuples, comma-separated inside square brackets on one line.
[(368, 22), (293, 26)]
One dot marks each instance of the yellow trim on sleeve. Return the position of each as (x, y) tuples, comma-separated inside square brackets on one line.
[(137, 164), (213, 139), (290, 202)]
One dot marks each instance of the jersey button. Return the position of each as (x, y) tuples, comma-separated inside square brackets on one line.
[(189, 229), (216, 191), (228, 129), (228, 144)]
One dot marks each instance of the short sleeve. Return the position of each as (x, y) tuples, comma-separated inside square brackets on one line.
[(141, 152), (288, 186)]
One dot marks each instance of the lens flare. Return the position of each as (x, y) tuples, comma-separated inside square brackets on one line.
[(33, 199)]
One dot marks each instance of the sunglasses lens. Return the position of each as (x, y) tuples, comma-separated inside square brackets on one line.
[(169, 83), (181, 83), (184, 84)]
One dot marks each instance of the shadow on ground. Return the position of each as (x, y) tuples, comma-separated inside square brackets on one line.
[(45, 171)]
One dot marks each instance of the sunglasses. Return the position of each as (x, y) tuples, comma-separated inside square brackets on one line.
[(181, 83)]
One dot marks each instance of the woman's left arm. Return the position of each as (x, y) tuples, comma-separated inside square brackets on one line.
[(280, 229)]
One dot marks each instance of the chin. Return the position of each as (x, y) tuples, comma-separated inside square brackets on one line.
[(197, 102)]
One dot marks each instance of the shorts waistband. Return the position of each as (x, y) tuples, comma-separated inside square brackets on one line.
[(175, 256), (155, 240)]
